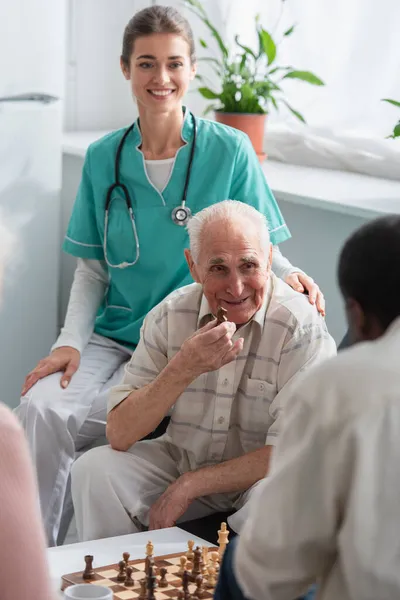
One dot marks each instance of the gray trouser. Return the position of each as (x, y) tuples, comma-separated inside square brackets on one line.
[(113, 491)]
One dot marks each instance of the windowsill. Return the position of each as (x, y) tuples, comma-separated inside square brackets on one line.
[(325, 189)]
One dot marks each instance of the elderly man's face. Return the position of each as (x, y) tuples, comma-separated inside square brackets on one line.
[(232, 268)]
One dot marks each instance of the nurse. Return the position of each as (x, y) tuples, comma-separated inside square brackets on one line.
[(129, 240)]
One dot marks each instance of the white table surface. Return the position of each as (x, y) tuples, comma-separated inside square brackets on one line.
[(68, 559)]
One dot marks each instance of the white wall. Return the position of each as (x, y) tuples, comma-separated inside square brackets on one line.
[(32, 46), (97, 95)]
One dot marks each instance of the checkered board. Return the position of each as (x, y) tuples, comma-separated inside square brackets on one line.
[(107, 576)]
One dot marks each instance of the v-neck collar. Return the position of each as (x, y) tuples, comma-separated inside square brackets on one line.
[(186, 130)]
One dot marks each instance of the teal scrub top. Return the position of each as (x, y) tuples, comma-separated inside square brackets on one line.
[(225, 166)]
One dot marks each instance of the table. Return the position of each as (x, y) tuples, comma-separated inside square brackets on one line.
[(68, 559)]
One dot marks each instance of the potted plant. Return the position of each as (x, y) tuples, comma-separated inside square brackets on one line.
[(396, 130), (251, 80)]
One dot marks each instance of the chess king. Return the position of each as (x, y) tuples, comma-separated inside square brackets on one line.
[(224, 382)]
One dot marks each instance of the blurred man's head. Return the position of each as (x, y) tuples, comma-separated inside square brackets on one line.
[(230, 256), (369, 278)]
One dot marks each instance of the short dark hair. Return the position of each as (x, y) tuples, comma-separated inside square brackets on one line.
[(369, 269), (156, 19)]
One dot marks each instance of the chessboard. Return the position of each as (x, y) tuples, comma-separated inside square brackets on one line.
[(189, 575)]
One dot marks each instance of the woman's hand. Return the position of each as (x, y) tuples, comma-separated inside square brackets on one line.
[(303, 283), (65, 359)]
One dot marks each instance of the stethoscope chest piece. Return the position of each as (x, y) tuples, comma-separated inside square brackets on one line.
[(181, 215)]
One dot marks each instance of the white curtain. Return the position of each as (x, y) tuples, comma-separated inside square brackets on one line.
[(354, 46)]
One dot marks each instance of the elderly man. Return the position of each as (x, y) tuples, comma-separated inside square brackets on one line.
[(225, 383)]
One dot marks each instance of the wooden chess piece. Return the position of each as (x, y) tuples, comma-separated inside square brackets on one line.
[(190, 555), (128, 579), (214, 561), (149, 557), (149, 548), (185, 586), (125, 557), (88, 573), (143, 591), (221, 315), (148, 561), (196, 569), (199, 593), (183, 561), (122, 567), (223, 535), (163, 583), (205, 560), (211, 579), (151, 584)]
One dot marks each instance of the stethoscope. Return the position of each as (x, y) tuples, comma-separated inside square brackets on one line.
[(180, 215)]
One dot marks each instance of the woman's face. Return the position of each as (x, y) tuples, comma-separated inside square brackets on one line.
[(160, 71)]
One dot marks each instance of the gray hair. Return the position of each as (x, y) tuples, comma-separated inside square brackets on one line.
[(227, 210)]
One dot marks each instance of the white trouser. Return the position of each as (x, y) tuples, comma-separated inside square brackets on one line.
[(113, 491), (60, 423)]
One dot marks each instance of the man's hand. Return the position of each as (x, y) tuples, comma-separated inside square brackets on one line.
[(65, 359), (171, 505), (303, 283), (210, 348)]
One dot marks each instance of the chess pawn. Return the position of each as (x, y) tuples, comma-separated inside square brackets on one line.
[(185, 585), (126, 556), (121, 575), (88, 573), (183, 561), (163, 583), (198, 593), (128, 579), (214, 561), (211, 579)]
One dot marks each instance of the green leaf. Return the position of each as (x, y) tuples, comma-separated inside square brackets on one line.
[(274, 103), (245, 48), (295, 112), (218, 38), (207, 93), (203, 43), (394, 102), (396, 130), (268, 45), (290, 31), (197, 8), (304, 76), (276, 69)]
